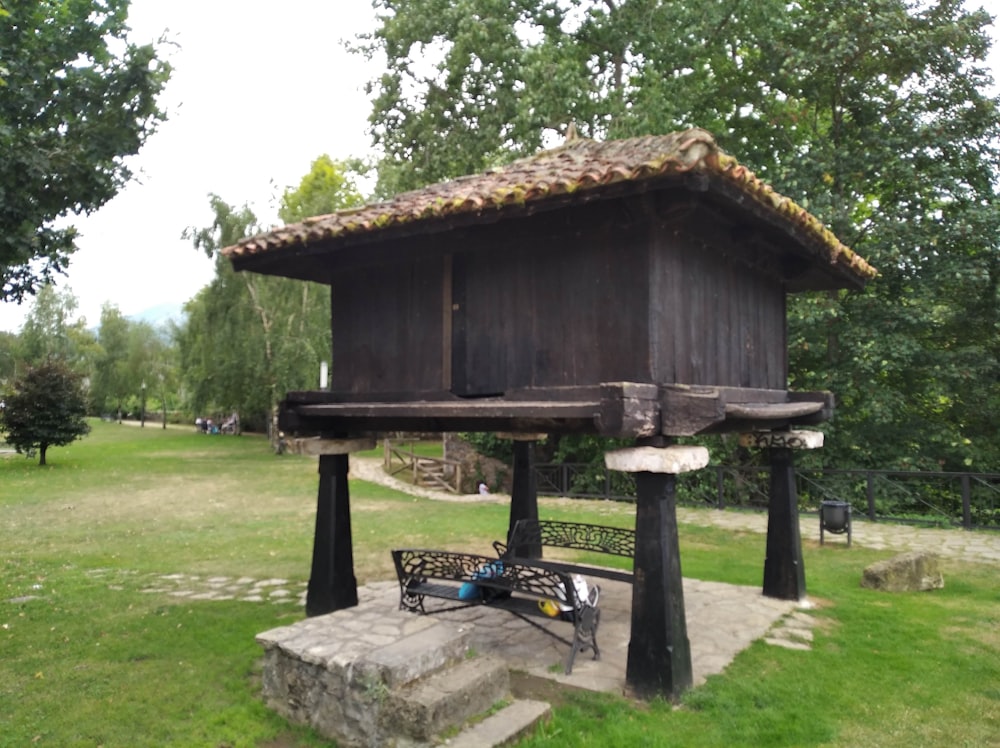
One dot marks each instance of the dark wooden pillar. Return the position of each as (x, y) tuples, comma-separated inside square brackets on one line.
[(524, 492), (659, 653), (332, 585), (784, 570)]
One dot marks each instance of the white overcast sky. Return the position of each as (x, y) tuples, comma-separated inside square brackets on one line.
[(259, 90)]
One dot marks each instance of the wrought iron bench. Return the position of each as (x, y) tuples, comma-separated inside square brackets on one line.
[(514, 587), (531, 535)]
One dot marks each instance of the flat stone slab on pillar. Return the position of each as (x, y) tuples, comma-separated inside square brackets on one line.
[(802, 439), (316, 446), (665, 460), (525, 437)]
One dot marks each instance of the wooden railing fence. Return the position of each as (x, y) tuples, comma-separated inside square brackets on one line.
[(430, 472)]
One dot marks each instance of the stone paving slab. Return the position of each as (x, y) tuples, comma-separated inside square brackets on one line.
[(504, 727), (722, 620)]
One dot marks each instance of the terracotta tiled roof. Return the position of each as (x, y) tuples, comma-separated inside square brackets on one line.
[(579, 168)]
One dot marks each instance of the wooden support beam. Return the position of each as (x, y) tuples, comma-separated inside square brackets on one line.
[(659, 653), (784, 570), (690, 410), (629, 409), (524, 493), (332, 584)]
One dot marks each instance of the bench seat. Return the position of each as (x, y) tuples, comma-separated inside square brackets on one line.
[(516, 587)]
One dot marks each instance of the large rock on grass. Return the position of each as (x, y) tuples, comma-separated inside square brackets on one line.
[(909, 572)]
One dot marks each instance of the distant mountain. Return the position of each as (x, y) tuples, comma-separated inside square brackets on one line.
[(160, 315)]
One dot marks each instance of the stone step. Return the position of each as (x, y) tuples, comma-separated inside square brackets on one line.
[(417, 655), (506, 726), (447, 698)]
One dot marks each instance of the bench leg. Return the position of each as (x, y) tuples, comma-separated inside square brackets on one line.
[(410, 602), (584, 636)]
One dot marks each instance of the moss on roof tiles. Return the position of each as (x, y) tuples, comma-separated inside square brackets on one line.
[(573, 170)]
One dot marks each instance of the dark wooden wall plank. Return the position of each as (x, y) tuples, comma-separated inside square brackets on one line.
[(542, 311), (386, 324), (714, 320), (601, 293)]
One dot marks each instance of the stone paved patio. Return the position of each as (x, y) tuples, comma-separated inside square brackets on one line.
[(722, 620)]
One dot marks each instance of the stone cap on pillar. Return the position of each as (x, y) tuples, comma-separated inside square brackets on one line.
[(672, 460), (316, 446), (519, 437), (782, 439)]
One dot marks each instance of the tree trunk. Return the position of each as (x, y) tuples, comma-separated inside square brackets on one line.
[(41, 453)]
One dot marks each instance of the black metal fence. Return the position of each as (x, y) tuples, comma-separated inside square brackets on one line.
[(969, 500)]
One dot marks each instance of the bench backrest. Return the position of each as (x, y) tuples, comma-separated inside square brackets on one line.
[(528, 533), (420, 565)]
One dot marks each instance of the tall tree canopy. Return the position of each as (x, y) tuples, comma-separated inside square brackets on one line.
[(52, 329), (250, 338), (109, 385), (77, 98), (875, 114)]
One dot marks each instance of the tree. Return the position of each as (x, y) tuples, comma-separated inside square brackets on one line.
[(895, 143), (46, 409), (217, 340), (250, 338), (52, 330), (874, 114), (147, 360), (109, 384), (9, 356), (78, 98), (164, 381), (328, 187)]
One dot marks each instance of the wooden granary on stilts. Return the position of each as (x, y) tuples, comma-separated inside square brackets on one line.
[(633, 288)]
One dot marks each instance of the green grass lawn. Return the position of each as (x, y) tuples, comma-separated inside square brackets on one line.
[(90, 657)]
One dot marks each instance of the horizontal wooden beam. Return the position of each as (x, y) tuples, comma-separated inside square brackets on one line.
[(615, 409), (463, 415), (771, 411)]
